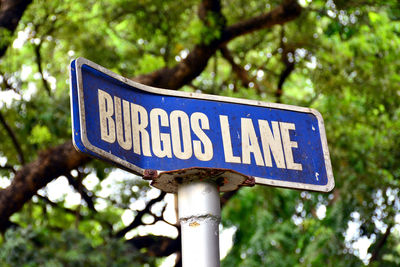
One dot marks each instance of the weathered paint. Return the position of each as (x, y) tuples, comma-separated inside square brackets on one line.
[(226, 180), (144, 128)]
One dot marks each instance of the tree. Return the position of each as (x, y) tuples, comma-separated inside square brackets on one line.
[(337, 56)]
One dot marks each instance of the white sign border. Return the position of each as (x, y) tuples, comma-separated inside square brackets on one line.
[(79, 62)]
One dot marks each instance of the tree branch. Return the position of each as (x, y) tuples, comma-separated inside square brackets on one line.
[(89, 216), (189, 68), (81, 189), (11, 12), (37, 47), (209, 6), (158, 218), (289, 67), (62, 159), (380, 244), (5, 85), (157, 246), (8, 167), (40, 69), (240, 72), (225, 197), (50, 164), (138, 218), (55, 205), (14, 140), (286, 12)]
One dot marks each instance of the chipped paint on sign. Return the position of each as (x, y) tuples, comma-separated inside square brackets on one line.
[(139, 128)]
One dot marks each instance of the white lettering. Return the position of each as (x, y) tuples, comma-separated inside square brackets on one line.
[(125, 143), (271, 142), (106, 110), (250, 143), (226, 140), (195, 120), (156, 138), (288, 144), (139, 124), (183, 151), (128, 123)]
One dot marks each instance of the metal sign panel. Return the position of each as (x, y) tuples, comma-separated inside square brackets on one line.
[(139, 127)]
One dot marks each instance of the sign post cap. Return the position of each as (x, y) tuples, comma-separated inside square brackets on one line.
[(225, 179)]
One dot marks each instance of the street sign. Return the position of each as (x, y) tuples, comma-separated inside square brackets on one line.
[(138, 127)]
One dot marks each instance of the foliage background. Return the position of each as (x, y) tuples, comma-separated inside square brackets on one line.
[(340, 57)]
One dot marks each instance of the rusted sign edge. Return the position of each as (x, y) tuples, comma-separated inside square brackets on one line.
[(79, 62)]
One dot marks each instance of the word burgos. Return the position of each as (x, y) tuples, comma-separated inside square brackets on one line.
[(141, 131)]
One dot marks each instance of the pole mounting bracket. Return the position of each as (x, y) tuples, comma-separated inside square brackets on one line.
[(225, 179)]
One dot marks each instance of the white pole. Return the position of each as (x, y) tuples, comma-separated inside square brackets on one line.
[(199, 214)]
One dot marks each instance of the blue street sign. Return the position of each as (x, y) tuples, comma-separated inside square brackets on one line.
[(139, 127)]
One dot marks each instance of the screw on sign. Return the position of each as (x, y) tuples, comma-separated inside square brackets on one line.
[(196, 145)]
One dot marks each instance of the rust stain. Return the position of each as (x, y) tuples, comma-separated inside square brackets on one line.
[(251, 181), (149, 174), (225, 179), (194, 224)]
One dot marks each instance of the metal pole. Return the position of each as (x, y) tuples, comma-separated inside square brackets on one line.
[(199, 215)]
